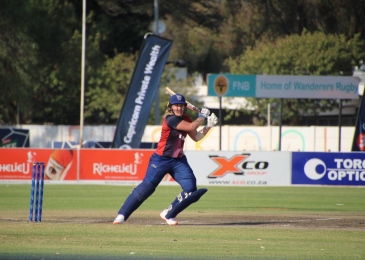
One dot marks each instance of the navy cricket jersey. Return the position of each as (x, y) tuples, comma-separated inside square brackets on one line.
[(171, 143)]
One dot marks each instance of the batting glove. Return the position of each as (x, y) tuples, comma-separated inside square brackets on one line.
[(212, 121), (204, 113)]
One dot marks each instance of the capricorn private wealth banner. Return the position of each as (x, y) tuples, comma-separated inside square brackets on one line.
[(266, 86), (141, 92)]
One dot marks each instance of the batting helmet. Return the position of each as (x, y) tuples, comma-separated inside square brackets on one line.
[(176, 99)]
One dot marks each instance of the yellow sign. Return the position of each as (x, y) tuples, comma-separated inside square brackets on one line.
[(221, 85)]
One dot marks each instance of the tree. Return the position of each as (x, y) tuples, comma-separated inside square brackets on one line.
[(39, 61), (41, 56), (18, 60), (59, 39), (307, 54), (40, 45), (106, 90), (248, 21), (192, 25)]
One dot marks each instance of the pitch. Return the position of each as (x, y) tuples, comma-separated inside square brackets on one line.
[(228, 223)]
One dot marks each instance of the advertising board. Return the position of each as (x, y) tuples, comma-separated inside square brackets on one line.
[(283, 86), (114, 165), (17, 163), (328, 168), (241, 169)]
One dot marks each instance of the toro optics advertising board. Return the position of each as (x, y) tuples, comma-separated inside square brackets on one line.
[(328, 168)]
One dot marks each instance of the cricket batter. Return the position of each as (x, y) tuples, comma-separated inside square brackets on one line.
[(169, 158)]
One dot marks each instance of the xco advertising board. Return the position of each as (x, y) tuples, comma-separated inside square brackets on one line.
[(240, 169), (328, 168)]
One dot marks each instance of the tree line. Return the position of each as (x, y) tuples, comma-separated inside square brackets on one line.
[(40, 51)]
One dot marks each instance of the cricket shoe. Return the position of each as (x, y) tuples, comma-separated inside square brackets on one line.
[(118, 220), (169, 221)]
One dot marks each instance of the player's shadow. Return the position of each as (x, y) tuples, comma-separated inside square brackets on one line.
[(236, 223)]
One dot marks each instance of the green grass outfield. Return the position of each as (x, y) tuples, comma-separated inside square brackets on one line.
[(227, 223)]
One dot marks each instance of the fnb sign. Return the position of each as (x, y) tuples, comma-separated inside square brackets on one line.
[(239, 165)]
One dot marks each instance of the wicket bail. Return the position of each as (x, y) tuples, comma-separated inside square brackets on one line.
[(37, 184)]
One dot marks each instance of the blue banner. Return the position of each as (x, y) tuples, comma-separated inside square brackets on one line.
[(12, 137), (328, 168), (358, 143), (141, 92)]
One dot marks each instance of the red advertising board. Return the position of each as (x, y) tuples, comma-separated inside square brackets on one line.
[(17, 163), (114, 165), (103, 165)]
